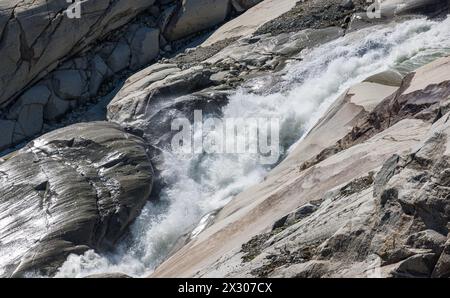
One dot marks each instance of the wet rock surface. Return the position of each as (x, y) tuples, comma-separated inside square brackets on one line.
[(71, 190), (370, 198), (385, 215), (425, 102), (400, 227), (209, 72), (201, 79)]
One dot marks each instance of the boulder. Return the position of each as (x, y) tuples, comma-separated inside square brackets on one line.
[(373, 204), (442, 268), (144, 46), (196, 15), (196, 73), (71, 190), (69, 84), (135, 104), (295, 216), (120, 57), (251, 20), (150, 101), (36, 36), (25, 116)]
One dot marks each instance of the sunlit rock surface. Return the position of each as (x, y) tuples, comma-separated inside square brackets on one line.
[(55, 60), (374, 162), (378, 196), (68, 191)]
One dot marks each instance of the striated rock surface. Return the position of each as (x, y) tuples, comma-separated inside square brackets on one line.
[(151, 99), (208, 72), (55, 63), (37, 35), (247, 23), (71, 190), (38, 38), (87, 57), (363, 194), (373, 203), (195, 15)]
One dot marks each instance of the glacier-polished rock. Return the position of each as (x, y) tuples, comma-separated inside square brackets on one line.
[(74, 189)]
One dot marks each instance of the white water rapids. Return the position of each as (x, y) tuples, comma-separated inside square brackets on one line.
[(202, 185)]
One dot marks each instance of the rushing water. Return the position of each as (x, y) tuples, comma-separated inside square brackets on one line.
[(307, 88)]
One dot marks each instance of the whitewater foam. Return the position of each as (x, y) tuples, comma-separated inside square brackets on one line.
[(207, 182)]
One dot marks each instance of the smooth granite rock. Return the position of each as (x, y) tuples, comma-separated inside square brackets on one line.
[(37, 35), (368, 200), (71, 190), (196, 15)]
